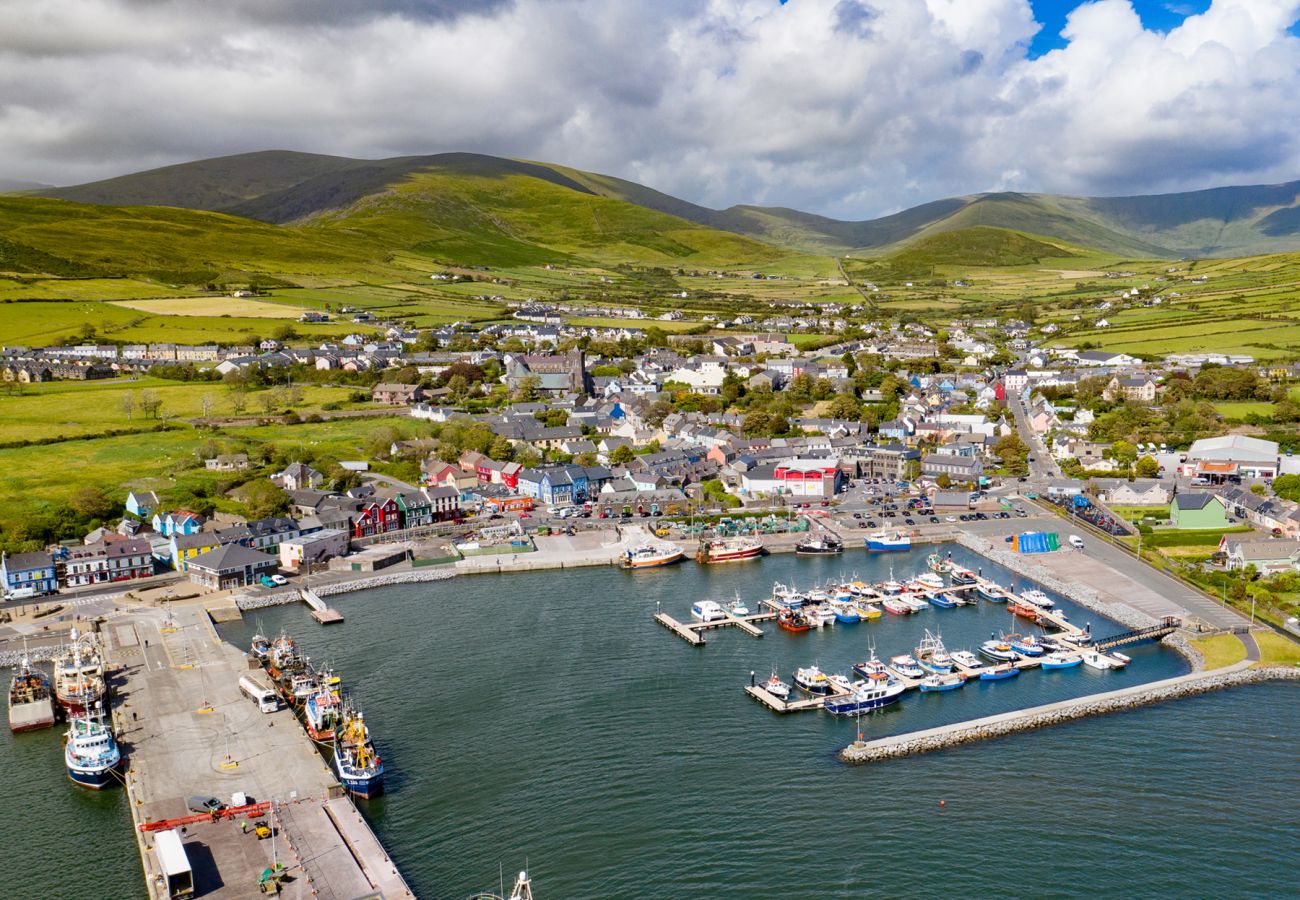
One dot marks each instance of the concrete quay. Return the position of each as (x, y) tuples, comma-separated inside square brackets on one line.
[(186, 730)]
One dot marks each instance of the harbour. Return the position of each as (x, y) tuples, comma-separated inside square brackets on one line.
[(493, 806)]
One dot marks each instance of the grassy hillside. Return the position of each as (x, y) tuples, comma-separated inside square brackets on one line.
[(980, 246)]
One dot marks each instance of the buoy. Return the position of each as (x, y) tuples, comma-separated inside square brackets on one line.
[(943, 803)]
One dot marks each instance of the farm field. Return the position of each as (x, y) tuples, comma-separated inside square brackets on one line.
[(81, 289), (243, 307), (61, 409)]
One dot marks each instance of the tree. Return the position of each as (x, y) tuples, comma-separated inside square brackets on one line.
[(91, 504), (844, 406), (1013, 453), (586, 458), (458, 385), (1123, 452), (1147, 467), (128, 405), (526, 390), (266, 400), (262, 498), (944, 481), (501, 449), (238, 398), (622, 455), (658, 411), (149, 404), (285, 333), (757, 423)]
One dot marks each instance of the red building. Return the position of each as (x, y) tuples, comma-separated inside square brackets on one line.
[(377, 517)]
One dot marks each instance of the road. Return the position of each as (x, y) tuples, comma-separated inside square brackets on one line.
[(1042, 466)]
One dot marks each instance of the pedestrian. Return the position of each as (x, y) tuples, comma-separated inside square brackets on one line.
[(244, 826), (146, 642), (135, 716)]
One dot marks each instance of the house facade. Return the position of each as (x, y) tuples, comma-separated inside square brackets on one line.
[(378, 516), (28, 570), (1198, 511), (231, 566), (108, 561)]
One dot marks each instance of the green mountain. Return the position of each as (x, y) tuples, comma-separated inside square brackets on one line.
[(472, 208), (979, 245)]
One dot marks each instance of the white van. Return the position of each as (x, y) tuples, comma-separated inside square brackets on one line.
[(22, 593), (1076, 542), (176, 876), (259, 693)]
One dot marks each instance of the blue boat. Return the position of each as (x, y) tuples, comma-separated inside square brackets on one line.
[(864, 697), (888, 541), (845, 612), (91, 754), (999, 673), (990, 593), (949, 682), (1025, 646), (357, 764), (943, 601)]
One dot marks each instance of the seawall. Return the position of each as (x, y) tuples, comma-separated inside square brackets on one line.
[(946, 736)]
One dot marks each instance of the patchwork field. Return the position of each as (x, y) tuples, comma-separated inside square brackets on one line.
[(243, 307)]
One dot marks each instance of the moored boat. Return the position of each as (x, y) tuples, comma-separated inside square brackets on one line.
[(990, 591), (819, 616), (819, 546), (942, 600), (929, 580), (873, 669), (732, 549), (649, 556), (321, 714), (1059, 660), (261, 647), (784, 595), (906, 665), (1094, 659), (793, 620), (868, 611), (940, 682), (888, 541), (931, 655), (960, 574), (999, 672), (1025, 610), (90, 753), (356, 762), (31, 703), (812, 679), (776, 687), (1118, 660), (1025, 645), (998, 651), (896, 607), (865, 696), (967, 659), (1038, 598), (845, 612), (707, 611), (738, 607), (79, 675)]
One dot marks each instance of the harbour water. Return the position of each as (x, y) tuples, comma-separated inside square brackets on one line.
[(543, 718)]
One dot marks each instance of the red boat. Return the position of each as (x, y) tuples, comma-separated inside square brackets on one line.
[(722, 550), (1025, 610), (792, 620)]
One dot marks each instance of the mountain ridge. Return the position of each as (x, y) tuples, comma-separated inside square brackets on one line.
[(282, 187)]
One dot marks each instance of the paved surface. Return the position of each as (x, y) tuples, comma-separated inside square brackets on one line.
[(188, 730)]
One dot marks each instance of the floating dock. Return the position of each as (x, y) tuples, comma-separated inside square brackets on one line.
[(691, 631), (319, 611)]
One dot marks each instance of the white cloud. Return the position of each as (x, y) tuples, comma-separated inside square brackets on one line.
[(847, 107)]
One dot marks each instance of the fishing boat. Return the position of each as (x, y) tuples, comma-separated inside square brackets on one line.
[(1025, 610), (283, 659), (738, 607), (261, 647), (776, 687), (707, 611), (1025, 645), (731, 549), (896, 607), (990, 592), (916, 601), (1039, 599), (860, 588), (865, 696), (817, 596), (357, 764), (873, 669), (845, 612), (1061, 660), (813, 680), (929, 580), (298, 688), (79, 675), (90, 752), (967, 659), (998, 651), (650, 556), (31, 703), (784, 595), (868, 611), (819, 546), (943, 601), (960, 574), (793, 620), (840, 684), (906, 665), (938, 682), (888, 541), (1095, 659), (999, 673), (931, 654), (890, 588), (819, 616), (321, 714), (936, 563)]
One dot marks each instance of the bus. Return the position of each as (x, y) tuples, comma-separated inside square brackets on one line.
[(259, 693)]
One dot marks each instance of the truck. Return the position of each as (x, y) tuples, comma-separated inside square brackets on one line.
[(1076, 542), (259, 693), (173, 864), (20, 593)]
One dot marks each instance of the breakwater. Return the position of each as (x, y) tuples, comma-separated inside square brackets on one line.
[(248, 602), (944, 737)]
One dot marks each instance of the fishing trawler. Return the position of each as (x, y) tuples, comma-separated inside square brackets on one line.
[(932, 656), (31, 705), (888, 541), (357, 764), (649, 556), (321, 711), (79, 675), (282, 659), (817, 546), (260, 647), (733, 549), (90, 753)]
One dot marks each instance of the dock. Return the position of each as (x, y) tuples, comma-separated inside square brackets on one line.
[(323, 614), (187, 730), (691, 631)]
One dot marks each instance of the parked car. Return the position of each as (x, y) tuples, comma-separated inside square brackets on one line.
[(934, 520), (280, 579), (204, 804)]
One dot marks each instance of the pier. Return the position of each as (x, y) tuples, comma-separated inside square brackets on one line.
[(187, 730), (691, 631), (319, 611)]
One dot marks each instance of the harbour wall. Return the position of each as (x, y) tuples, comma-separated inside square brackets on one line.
[(944, 737)]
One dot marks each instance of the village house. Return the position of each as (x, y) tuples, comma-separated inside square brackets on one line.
[(108, 560), (20, 571), (231, 566)]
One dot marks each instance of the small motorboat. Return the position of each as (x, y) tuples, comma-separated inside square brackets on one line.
[(813, 680), (1118, 660), (948, 682), (960, 574), (1039, 599), (845, 612), (907, 666), (998, 651), (1025, 645), (840, 684), (999, 673), (261, 646), (915, 601), (738, 607), (1096, 660), (776, 687), (819, 616), (989, 592), (1025, 610), (943, 601), (708, 611), (896, 607), (784, 595), (793, 620), (873, 669), (1058, 660), (891, 588), (929, 580), (867, 611), (967, 659)]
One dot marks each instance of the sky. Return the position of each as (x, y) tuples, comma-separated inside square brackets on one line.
[(848, 108)]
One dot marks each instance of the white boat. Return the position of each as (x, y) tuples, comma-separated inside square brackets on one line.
[(864, 697), (905, 664), (784, 595), (819, 616), (812, 680), (776, 687), (840, 683), (1095, 660), (888, 541), (931, 654), (929, 580), (738, 607), (708, 611), (90, 753), (1038, 598), (967, 659), (915, 601), (1118, 660)]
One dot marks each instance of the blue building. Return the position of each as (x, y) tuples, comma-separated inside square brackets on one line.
[(555, 484), (28, 570)]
